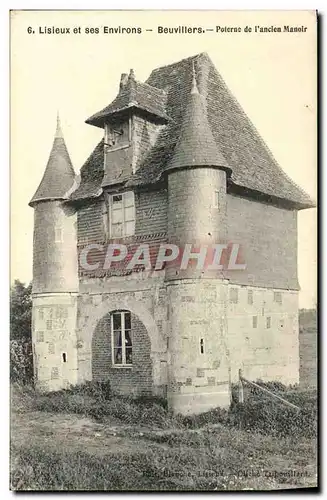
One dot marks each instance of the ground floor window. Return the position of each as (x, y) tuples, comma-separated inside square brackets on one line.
[(121, 338)]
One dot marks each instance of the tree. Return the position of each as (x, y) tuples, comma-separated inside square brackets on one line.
[(20, 311), (21, 355)]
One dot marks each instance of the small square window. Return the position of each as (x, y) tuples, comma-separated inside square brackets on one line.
[(233, 295), (268, 322), (116, 201), (59, 235), (250, 297), (255, 321)]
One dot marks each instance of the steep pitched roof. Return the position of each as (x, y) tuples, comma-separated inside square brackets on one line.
[(59, 174), (134, 94), (196, 145), (254, 169)]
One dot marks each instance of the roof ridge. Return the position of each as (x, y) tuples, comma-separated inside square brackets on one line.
[(196, 56)]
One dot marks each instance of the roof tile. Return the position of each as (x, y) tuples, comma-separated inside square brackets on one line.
[(252, 164), (59, 174)]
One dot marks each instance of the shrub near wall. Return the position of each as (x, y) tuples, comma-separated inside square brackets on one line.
[(21, 361), (262, 413)]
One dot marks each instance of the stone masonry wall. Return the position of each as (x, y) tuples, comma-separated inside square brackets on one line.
[(263, 333), (199, 377), (308, 348), (54, 340)]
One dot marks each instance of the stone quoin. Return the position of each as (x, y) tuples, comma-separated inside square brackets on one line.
[(179, 164)]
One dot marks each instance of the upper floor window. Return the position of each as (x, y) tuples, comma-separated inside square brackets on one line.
[(250, 297), (121, 338), (278, 297), (121, 214), (117, 136)]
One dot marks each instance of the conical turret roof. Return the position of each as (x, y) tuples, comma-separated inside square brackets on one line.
[(196, 145), (59, 174)]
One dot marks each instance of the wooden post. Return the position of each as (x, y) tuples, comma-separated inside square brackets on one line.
[(240, 400)]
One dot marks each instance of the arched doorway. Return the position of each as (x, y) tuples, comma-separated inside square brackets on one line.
[(121, 353)]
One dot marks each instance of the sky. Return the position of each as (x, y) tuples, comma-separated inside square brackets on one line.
[(272, 75)]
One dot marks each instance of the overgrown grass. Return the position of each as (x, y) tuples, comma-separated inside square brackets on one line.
[(259, 412), (214, 450), (202, 460)]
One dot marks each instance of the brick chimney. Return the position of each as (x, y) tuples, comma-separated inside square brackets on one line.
[(123, 80)]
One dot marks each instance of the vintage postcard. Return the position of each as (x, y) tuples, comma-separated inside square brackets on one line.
[(163, 250)]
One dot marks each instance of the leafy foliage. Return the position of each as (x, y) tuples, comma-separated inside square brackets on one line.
[(21, 356), (21, 361), (20, 311)]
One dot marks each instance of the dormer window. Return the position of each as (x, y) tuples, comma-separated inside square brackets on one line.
[(121, 214), (117, 136)]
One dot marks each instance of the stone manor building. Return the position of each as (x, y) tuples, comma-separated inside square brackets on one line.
[(179, 162)]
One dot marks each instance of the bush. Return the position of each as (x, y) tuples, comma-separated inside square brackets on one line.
[(21, 361), (259, 413), (96, 400)]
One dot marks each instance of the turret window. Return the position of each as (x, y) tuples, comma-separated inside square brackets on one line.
[(216, 199), (121, 338), (121, 214), (59, 235)]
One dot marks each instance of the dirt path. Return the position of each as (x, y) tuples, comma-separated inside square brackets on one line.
[(74, 433)]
